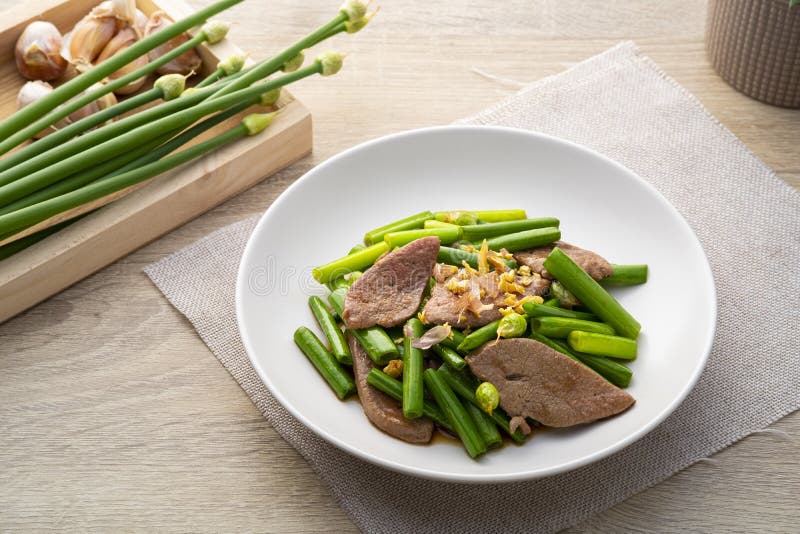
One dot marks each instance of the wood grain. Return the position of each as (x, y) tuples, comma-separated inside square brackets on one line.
[(114, 415)]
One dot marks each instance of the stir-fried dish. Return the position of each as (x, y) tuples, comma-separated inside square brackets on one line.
[(475, 324)]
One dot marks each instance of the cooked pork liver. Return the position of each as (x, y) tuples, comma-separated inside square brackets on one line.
[(444, 306), (390, 291), (595, 265), (539, 382), (383, 411)]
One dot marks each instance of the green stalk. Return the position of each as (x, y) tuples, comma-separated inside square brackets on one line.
[(591, 294), (63, 135), (602, 345), (337, 378), (560, 327), (357, 261), (480, 336), (485, 425), (409, 223), (83, 178), (331, 330), (492, 216), (454, 340), (614, 372), (139, 156), (110, 147), (374, 340), (455, 412), (26, 217), (533, 309), (626, 275), (478, 232), (464, 386), (404, 237), (23, 124), (394, 388), (264, 69), (525, 239), (413, 388), (210, 79), (449, 356)]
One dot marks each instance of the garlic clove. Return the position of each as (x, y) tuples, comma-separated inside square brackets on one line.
[(38, 52), (90, 36), (125, 10), (122, 40), (33, 91), (186, 63), (140, 21)]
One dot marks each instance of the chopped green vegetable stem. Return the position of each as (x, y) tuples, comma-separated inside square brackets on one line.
[(626, 275), (492, 216), (479, 232), (457, 257), (485, 425), (455, 412), (394, 388), (591, 294), (453, 340), (602, 345), (357, 261), (374, 340), (409, 223), (331, 330), (333, 373), (404, 237), (449, 356), (464, 386), (614, 372), (534, 309), (479, 337), (413, 362), (560, 327), (525, 239)]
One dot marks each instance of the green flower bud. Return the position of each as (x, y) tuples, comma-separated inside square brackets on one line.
[(295, 63), (331, 62), (355, 26), (257, 122), (512, 325), (270, 97), (232, 64), (354, 9), (190, 91), (488, 397), (171, 85), (215, 31)]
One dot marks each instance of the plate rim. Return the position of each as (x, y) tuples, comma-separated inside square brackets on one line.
[(477, 478)]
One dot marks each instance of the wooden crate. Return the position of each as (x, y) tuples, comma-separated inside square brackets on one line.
[(158, 206)]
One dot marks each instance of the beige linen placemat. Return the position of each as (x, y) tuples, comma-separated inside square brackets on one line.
[(622, 105)]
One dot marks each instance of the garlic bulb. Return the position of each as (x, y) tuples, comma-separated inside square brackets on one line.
[(38, 52), (33, 91), (122, 40), (186, 63)]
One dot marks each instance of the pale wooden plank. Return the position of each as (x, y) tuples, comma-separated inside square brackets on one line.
[(114, 416)]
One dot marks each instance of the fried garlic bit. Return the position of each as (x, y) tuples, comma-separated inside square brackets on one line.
[(508, 283), (483, 263), (394, 368)]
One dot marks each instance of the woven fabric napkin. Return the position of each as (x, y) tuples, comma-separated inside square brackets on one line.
[(622, 105)]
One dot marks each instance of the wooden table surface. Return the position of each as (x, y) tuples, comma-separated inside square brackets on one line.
[(115, 416)]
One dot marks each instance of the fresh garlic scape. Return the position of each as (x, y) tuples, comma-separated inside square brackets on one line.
[(38, 52), (187, 63), (126, 37), (35, 90)]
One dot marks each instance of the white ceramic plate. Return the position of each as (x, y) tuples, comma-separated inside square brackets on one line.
[(602, 206)]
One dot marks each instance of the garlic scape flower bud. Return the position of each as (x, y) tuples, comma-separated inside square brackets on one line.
[(171, 85), (295, 63), (258, 122), (331, 63)]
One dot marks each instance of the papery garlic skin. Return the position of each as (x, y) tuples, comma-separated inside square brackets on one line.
[(38, 52), (33, 91), (126, 37), (187, 63)]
